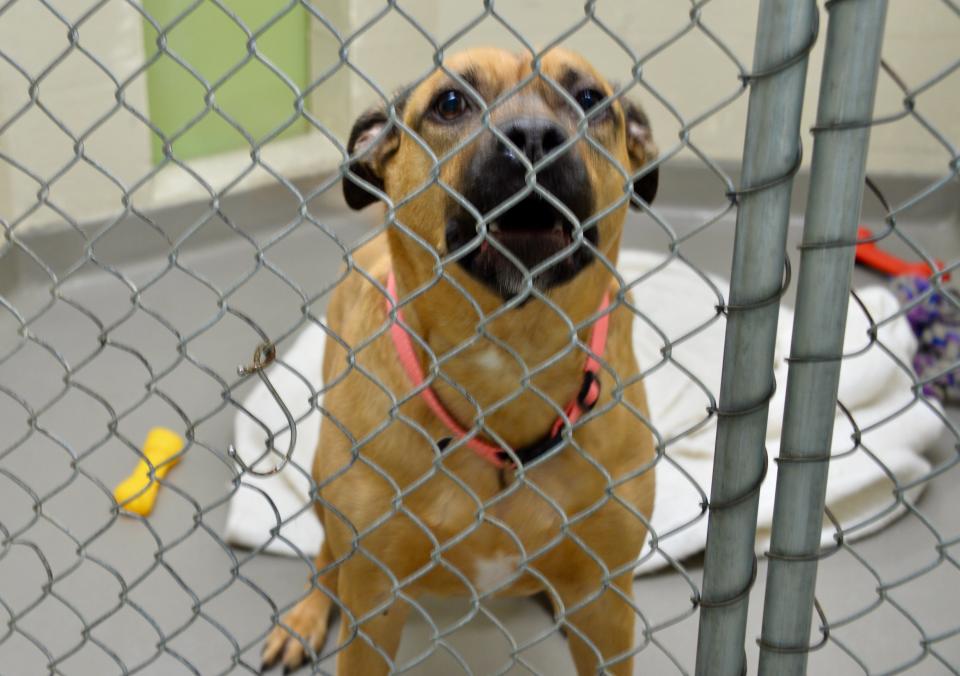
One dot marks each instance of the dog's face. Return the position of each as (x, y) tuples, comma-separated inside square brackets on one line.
[(538, 194)]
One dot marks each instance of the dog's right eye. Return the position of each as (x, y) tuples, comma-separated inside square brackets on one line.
[(588, 98), (450, 105)]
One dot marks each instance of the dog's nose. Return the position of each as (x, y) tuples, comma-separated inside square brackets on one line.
[(534, 136)]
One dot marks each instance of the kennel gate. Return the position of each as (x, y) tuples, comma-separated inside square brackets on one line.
[(786, 33)]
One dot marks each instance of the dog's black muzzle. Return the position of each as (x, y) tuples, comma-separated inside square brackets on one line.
[(532, 229)]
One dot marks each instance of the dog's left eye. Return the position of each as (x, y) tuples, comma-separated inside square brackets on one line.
[(588, 98), (450, 105)]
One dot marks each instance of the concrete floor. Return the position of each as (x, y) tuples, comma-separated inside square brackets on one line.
[(135, 584)]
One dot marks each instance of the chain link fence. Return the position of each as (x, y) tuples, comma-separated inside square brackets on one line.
[(131, 290), (885, 598)]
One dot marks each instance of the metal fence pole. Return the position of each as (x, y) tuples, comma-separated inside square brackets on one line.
[(786, 30), (847, 92)]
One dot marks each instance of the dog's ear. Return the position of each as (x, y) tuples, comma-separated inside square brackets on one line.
[(642, 151), (373, 141)]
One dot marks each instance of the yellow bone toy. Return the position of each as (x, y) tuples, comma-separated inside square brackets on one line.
[(161, 445)]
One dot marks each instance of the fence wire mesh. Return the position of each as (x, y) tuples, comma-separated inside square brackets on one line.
[(886, 590), (96, 347)]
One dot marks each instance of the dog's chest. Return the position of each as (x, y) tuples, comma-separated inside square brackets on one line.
[(487, 552), (491, 573), (488, 359)]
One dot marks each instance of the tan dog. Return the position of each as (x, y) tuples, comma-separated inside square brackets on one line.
[(408, 507)]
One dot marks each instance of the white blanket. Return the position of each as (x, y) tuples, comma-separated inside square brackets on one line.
[(676, 300)]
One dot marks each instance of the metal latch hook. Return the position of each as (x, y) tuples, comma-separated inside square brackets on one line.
[(263, 356)]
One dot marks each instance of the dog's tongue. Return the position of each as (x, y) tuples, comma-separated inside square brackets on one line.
[(546, 236)]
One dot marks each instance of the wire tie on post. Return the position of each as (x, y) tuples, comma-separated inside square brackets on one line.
[(717, 506), (799, 650), (749, 409), (727, 308), (735, 598)]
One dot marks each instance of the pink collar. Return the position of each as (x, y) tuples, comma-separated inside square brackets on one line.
[(585, 400)]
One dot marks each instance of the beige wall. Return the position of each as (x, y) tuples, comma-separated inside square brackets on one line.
[(78, 93), (692, 75)]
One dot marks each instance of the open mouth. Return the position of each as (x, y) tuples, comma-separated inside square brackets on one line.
[(532, 231)]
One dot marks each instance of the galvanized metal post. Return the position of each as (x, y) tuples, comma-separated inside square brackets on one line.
[(786, 30), (847, 92)]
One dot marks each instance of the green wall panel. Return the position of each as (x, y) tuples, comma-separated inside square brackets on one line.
[(212, 44)]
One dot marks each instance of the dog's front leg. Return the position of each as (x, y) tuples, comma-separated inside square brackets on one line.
[(599, 625), (373, 619), (305, 627)]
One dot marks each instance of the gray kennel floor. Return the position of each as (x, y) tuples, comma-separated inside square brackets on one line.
[(200, 483)]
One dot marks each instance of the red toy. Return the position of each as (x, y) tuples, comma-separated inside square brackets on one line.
[(869, 254)]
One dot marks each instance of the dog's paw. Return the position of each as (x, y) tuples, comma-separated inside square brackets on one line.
[(305, 625)]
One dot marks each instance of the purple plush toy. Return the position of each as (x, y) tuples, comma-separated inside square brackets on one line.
[(934, 315)]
